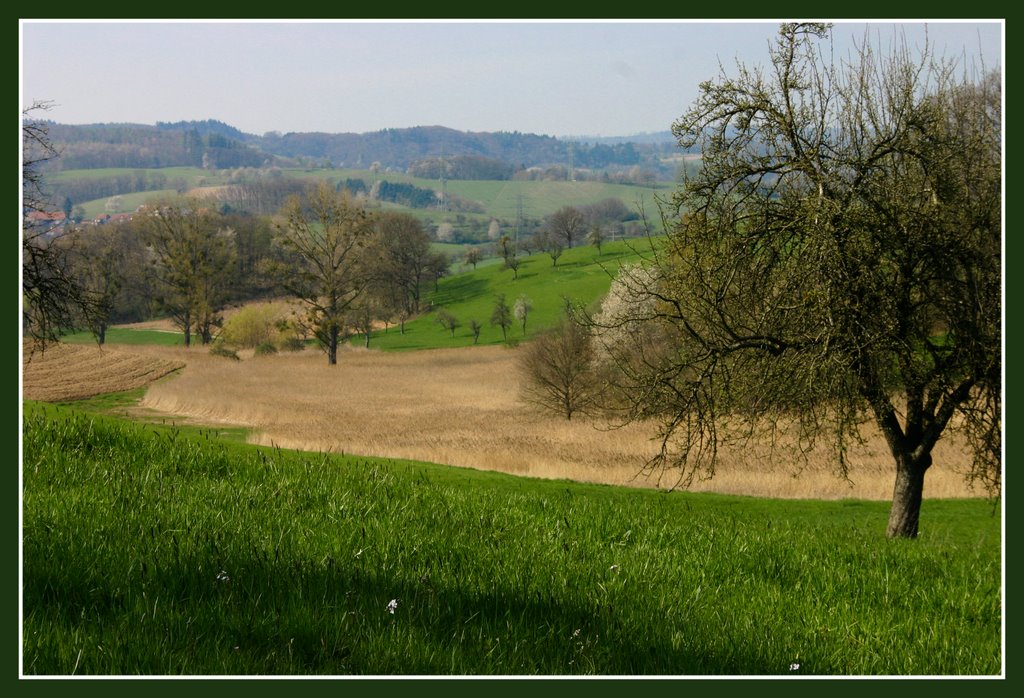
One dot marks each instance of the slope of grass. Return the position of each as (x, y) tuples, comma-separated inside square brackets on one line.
[(582, 275), (156, 551), (124, 335), (500, 199)]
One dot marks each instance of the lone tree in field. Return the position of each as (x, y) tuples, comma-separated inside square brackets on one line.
[(512, 262), (521, 310), (836, 260), (558, 368), (473, 256), (502, 316), (567, 223), (324, 235), (552, 244), (448, 321)]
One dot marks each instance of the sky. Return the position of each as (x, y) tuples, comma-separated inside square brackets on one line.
[(605, 78)]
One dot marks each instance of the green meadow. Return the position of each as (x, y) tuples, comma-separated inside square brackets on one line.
[(158, 550), (582, 275)]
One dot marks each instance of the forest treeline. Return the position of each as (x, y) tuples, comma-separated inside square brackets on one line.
[(425, 150)]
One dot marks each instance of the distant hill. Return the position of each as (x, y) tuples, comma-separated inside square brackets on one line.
[(657, 137), (214, 144), (210, 126), (400, 147), (196, 144)]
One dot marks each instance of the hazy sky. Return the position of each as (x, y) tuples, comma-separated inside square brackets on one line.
[(575, 78)]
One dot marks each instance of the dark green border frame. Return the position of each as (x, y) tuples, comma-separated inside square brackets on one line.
[(451, 687)]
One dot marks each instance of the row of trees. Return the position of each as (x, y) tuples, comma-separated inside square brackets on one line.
[(188, 260), (501, 316), (81, 189), (563, 229), (347, 267), (352, 269)]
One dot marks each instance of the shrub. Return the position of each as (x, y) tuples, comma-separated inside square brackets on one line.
[(292, 342), (220, 349), (254, 325), (262, 324), (265, 349)]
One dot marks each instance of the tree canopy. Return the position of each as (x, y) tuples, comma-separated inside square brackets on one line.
[(837, 259), (323, 236)]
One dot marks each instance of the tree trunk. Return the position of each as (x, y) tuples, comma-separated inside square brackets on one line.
[(101, 335), (186, 327), (906, 497), (332, 346)]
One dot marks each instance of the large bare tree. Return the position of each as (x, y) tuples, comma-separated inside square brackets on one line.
[(102, 259), (52, 299), (559, 370), (324, 234), (401, 261), (567, 223), (836, 260)]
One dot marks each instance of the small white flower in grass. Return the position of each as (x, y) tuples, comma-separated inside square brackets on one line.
[(223, 577), (613, 568), (794, 666), (392, 606)]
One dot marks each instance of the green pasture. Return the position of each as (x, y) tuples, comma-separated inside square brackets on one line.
[(582, 275), (150, 550), (124, 335)]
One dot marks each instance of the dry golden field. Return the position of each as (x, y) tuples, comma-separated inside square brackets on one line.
[(459, 406)]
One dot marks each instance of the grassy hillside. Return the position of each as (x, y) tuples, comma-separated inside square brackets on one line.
[(540, 199), (160, 551), (119, 335), (582, 275)]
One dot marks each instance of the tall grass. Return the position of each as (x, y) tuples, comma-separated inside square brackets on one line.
[(153, 551)]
